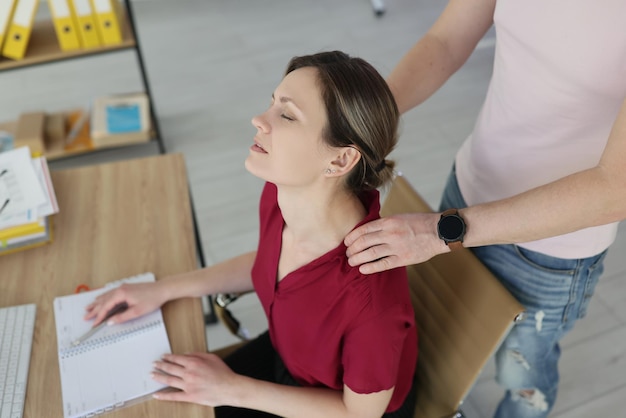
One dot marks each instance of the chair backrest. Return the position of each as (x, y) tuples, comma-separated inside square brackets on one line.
[(462, 311)]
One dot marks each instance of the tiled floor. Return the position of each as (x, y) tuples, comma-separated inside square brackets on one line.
[(213, 65)]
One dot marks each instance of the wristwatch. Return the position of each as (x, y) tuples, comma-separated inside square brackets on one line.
[(451, 229)]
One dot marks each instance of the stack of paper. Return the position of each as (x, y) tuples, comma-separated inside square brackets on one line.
[(27, 201)]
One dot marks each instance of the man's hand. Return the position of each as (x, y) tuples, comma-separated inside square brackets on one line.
[(394, 241)]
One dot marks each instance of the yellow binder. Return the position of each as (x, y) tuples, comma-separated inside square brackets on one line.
[(109, 18), (87, 27), (65, 24), (19, 29), (6, 12), (36, 227)]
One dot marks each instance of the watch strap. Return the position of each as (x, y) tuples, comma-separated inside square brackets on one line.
[(455, 245), (451, 211)]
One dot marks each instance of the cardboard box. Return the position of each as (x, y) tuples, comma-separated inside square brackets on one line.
[(120, 120), (30, 132)]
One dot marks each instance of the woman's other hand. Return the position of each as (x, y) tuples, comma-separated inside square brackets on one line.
[(201, 378)]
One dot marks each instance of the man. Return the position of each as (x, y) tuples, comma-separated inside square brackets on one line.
[(543, 169)]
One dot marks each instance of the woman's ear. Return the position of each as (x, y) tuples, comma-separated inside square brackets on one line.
[(344, 162)]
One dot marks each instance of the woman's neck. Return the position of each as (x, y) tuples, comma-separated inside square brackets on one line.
[(320, 217)]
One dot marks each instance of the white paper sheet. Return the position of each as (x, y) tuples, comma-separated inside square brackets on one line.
[(20, 190)]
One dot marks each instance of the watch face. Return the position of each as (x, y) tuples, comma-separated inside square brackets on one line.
[(451, 228)]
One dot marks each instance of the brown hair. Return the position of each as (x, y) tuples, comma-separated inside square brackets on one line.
[(361, 112)]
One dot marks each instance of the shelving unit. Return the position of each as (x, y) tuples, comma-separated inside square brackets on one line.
[(43, 48)]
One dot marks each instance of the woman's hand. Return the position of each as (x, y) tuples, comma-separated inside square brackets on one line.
[(141, 299), (202, 378)]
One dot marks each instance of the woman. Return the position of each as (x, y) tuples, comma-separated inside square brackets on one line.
[(339, 343)]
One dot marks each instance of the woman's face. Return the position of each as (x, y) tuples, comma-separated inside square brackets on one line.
[(288, 147)]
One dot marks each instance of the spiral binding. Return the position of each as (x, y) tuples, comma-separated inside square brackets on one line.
[(100, 342)]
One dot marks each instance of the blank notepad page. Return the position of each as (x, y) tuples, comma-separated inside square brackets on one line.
[(112, 368)]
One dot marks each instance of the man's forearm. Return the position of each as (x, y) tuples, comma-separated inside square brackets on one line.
[(585, 199)]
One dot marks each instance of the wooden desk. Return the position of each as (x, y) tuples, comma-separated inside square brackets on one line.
[(115, 220)]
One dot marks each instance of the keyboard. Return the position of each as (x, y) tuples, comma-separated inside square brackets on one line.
[(16, 337)]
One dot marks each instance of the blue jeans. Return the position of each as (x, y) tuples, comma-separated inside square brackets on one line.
[(555, 293)]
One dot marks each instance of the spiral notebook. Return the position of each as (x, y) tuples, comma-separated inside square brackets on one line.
[(112, 369)]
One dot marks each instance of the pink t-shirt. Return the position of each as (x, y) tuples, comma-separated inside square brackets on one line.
[(559, 80), (332, 325)]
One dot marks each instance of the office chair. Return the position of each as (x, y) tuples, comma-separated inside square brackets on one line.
[(462, 313)]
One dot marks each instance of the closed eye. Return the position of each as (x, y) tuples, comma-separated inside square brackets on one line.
[(290, 119)]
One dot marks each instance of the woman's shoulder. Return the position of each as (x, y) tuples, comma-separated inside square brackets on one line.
[(379, 292)]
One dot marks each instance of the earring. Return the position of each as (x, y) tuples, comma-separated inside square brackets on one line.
[(329, 171)]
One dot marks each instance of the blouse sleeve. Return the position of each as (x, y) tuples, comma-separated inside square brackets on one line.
[(373, 351)]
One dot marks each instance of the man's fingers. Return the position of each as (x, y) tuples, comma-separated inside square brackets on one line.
[(382, 264), (365, 243), (361, 231), (372, 234), (369, 254), (375, 259)]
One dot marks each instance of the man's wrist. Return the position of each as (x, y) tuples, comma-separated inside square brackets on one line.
[(451, 228)]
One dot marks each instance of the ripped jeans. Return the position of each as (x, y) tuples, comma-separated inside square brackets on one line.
[(555, 293)]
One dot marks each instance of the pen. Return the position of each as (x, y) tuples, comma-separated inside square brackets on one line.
[(119, 308), (6, 202), (4, 205), (77, 126)]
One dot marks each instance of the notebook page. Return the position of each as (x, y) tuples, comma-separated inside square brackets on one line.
[(112, 368)]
